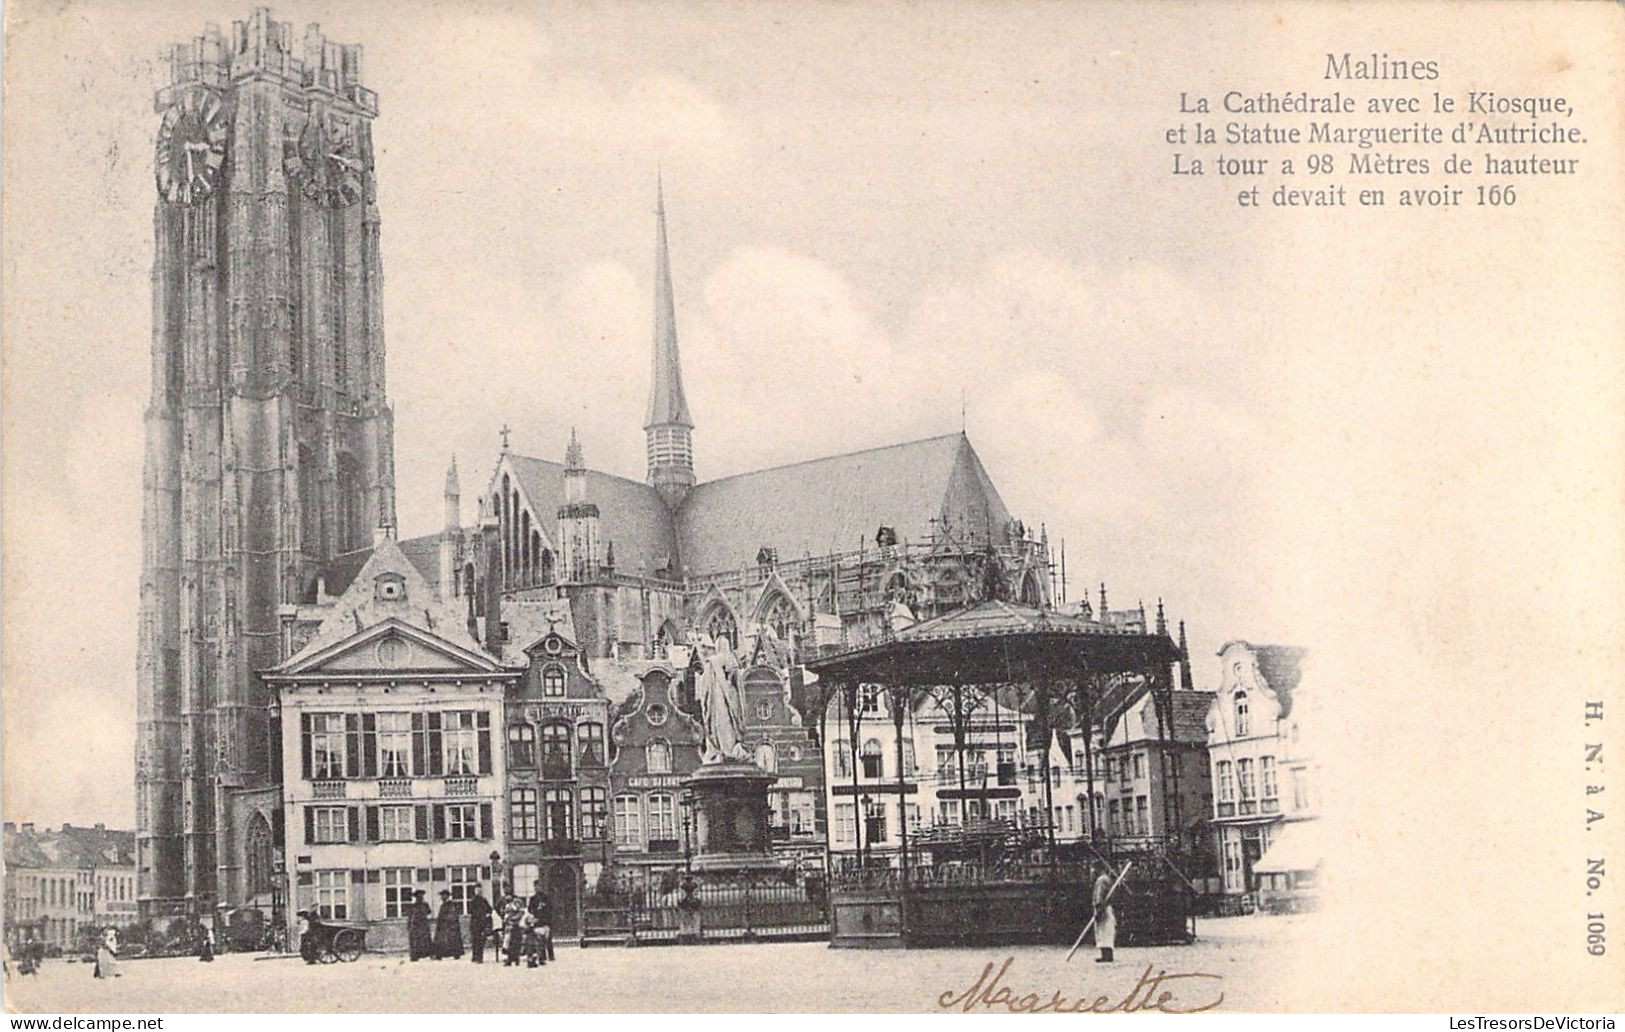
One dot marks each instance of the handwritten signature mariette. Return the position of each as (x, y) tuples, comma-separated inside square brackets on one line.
[(1153, 992)]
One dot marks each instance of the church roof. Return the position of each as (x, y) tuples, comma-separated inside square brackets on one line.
[(831, 504), (631, 514)]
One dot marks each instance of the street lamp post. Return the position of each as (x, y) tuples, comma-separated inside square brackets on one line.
[(685, 799)]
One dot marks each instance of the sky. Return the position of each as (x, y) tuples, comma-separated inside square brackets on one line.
[(886, 222)]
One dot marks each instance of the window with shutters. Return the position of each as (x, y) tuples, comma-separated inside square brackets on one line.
[(628, 822), (396, 824), (329, 824), (560, 811), (326, 746), (594, 813), (397, 890), (394, 745), (461, 742), (522, 814), (333, 894), (462, 821)]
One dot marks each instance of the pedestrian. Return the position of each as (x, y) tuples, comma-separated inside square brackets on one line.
[(310, 941), (205, 943), (479, 923), (540, 907), (513, 929), (419, 939), (1105, 916), (448, 929), (107, 965)]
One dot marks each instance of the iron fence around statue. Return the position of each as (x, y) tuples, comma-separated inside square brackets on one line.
[(743, 906)]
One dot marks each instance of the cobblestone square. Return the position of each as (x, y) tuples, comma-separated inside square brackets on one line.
[(770, 977)]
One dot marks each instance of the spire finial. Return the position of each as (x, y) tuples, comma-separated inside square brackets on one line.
[(574, 461), (1162, 619), (451, 477), (505, 431)]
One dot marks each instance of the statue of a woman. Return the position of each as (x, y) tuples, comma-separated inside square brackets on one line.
[(722, 705)]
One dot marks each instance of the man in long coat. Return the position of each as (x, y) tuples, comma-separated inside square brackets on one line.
[(419, 939), (448, 930), (479, 924), (1105, 916), (540, 907)]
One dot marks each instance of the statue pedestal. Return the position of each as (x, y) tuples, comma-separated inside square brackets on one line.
[(730, 807)]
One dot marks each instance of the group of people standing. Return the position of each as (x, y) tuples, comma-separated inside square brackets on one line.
[(525, 929)]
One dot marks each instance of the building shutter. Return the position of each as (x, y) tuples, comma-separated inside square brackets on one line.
[(439, 812), (423, 875), (304, 745), (352, 744), (310, 825), (420, 747), (483, 723), (358, 876), (485, 820), (437, 759), (372, 824), (369, 745), (373, 874), (354, 813)]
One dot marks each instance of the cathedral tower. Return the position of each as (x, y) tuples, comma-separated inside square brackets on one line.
[(668, 428), (268, 435)]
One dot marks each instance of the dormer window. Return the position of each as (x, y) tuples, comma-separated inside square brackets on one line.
[(389, 587), (553, 681)]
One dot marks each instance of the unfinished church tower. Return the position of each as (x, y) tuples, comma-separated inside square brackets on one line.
[(268, 436)]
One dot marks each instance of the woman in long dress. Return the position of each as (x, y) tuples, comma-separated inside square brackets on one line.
[(107, 965), (419, 938), (448, 930)]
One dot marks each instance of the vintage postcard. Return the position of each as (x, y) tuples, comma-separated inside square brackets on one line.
[(813, 507)]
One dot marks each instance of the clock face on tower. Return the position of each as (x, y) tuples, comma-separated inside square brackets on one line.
[(322, 161), (191, 147)]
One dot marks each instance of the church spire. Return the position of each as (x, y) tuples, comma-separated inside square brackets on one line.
[(667, 404), (668, 428)]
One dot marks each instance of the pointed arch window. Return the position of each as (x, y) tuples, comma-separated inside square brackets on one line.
[(719, 624), (780, 614), (259, 856), (351, 504)]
